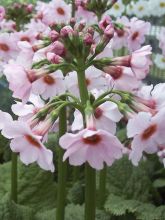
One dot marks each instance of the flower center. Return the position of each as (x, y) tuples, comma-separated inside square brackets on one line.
[(49, 80), (32, 141), (25, 38), (4, 47), (87, 82), (98, 113), (92, 140), (116, 7), (117, 73), (149, 132), (163, 59), (135, 35), (162, 4), (141, 8), (60, 11)]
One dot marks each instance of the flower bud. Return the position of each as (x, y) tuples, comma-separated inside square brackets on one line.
[(29, 8), (58, 48), (54, 35), (109, 31), (54, 58), (66, 31), (88, 39)]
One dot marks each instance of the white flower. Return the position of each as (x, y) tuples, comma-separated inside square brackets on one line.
[(160, 61), (140, 9), (117, 9)]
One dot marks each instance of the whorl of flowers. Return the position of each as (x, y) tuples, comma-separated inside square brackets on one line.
[(55, 62)]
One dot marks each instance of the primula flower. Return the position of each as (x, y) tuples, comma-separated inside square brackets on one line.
[(106, 116), (123, 78), (138, 30), (160, 61), (117, 9), (8, 46), (2, 13), (147, 132), (141, 8), (92, 146), (139, 61), (18, 80), (85, 16), (54, 12), (49, 85), (27, 111), (121, 35), (153, 97), (28, 145)]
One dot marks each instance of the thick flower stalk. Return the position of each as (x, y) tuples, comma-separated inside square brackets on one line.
[(65, 80)]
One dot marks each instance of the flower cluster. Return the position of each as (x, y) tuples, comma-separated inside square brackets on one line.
[(58, 63), (140, 9), (160, 58)]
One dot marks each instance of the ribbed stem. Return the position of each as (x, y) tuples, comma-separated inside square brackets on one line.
[(102, 187), (90, 173), (14, 177), (62, 171)]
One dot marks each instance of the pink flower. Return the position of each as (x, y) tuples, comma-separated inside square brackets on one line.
[(106, 21), (5, 118), (18, 80), (27, 111), (7, 25), (8, 46), (54, 12), (147, 132), (94, 147), (105, 116), (138, 30), (28, 145), (153, 97), (121, 35), (49, 85), (83, 15), (123, 78), (2, 13), (139, 61)]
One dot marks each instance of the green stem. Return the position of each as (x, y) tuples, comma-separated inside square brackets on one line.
[(82, 86), (90, 173), (62, 170), (14, 177), (102, 187), (73, 8), (90, 193)]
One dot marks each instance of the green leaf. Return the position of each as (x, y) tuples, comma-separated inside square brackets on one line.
[(9, 210), (158, 183)]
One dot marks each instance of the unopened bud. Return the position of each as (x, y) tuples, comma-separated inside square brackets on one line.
[(58, 48), (54, 58), (29, 8), (109, 31), (54, 35), (66, 31), (88, 39)]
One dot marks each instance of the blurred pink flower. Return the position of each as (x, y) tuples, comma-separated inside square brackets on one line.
[(147, 132), (28, 145)]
